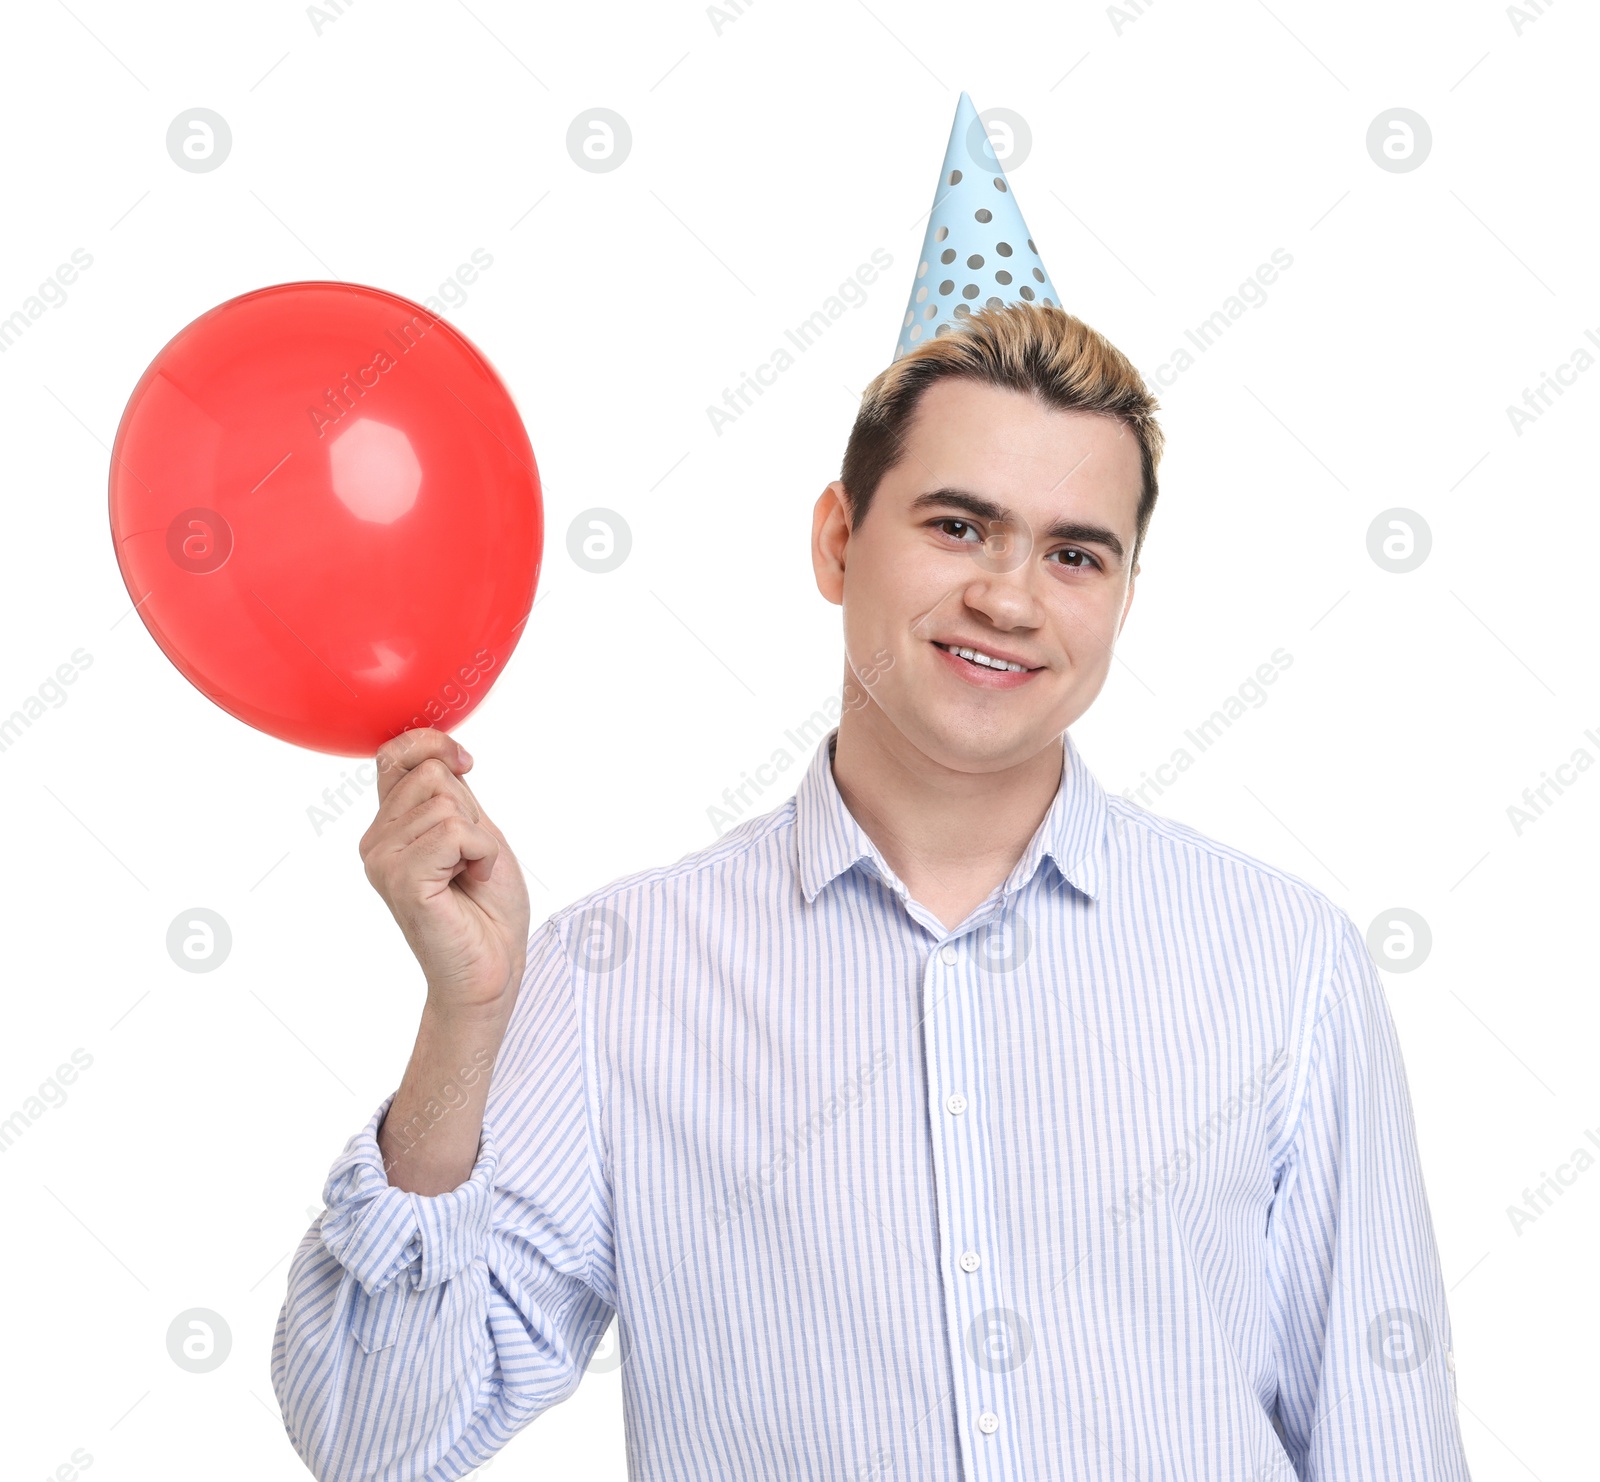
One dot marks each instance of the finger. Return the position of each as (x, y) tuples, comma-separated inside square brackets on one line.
[(406, 828), (431, 777), (451, 845), (401, 754)]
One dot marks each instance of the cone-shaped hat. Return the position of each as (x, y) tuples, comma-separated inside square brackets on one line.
[(978, 250)]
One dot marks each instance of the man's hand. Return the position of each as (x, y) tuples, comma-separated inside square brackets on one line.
[(447, 875)]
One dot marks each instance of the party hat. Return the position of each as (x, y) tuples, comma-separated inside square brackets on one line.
[(977, 252)]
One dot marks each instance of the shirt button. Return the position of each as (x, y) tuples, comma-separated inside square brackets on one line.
[(948, 952), (956, 1102), (1450, 1360), (970, 1260), (988, 1422)]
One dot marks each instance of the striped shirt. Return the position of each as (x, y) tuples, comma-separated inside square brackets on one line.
[(1115, 1179)]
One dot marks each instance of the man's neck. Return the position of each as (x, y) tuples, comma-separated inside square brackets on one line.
[(950, 836)]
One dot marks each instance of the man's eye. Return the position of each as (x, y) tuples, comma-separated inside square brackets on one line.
[(1074, 551), (964, 524)]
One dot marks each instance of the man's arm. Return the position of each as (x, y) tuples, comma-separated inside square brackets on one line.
[(429, 1138), (443, 1299), (422, 1331), (1366, 1388)]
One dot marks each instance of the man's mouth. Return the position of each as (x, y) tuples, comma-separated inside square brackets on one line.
[(982, 660)]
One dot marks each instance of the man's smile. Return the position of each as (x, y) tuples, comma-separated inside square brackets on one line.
[(984, 667)]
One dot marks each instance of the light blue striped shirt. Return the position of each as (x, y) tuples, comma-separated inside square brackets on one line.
[(1117, 1179)]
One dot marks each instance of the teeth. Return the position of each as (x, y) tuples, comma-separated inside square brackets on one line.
[(977, 656)]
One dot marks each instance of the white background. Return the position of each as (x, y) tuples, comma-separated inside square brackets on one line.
[(1172, 152)]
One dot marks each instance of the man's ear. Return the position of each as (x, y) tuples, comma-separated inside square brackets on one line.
[(1127, 601), (830, 538)]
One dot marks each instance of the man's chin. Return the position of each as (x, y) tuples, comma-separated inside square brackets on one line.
[(973, 738)]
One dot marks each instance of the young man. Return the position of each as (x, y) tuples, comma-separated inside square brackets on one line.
[(952, 1120)]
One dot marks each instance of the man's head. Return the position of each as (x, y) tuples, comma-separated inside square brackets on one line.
[(995, 494)]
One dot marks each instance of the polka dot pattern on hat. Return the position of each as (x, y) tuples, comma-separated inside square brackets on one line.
[(973, 231)]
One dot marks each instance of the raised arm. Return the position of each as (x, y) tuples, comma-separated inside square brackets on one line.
[(448, 1294)]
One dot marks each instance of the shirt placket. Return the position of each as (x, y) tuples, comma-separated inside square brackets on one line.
[(980, 1328)]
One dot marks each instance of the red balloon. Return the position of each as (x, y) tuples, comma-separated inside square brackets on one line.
[(327, 509)]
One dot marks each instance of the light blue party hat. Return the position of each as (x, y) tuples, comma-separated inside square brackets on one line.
[(977, 251)]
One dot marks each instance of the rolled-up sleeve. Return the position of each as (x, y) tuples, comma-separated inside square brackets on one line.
[(1366, 1384), (421, 1332)]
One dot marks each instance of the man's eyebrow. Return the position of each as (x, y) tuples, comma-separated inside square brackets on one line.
[(987, 509)]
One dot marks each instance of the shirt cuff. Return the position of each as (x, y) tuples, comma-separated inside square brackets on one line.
[(379, 1232)]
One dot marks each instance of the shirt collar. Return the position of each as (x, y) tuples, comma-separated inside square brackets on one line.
[(828, 840)]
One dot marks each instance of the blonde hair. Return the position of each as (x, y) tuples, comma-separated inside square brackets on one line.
[(1037, 349)]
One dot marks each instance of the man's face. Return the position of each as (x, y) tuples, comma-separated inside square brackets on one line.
[(1006, 526)]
